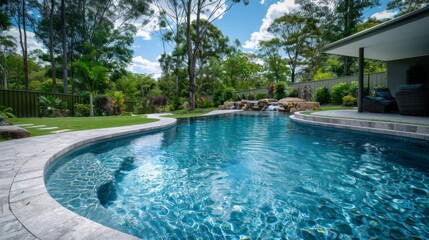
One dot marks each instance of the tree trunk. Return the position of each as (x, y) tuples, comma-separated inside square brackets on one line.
[(51, 46), (191, 64), (91, 106), (64, 38), (25, 55)]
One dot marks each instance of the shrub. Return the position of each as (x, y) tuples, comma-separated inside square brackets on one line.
[(293, 92), (203, 102), (101, 105), (228, 94), (117, 102), (236, 97), (353, 87), (243, 96), (262, 96), (349, 101), (338, 92), (52, 107), (159, 101), (81, 110), (6, 112), (322, 95), (280, 91), (217, 96)]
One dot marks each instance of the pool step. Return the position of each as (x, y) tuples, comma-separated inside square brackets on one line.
[(373, 126)]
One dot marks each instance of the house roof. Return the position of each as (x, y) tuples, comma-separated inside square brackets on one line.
[(403, 37)]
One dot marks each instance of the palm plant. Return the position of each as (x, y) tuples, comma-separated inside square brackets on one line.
[(52, 107), (6, 112), (91, 78)]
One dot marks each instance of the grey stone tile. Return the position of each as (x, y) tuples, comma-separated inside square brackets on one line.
[(29, 175), (27, 192), (76, 228), (107, 233), (22, 234), (28, 183)]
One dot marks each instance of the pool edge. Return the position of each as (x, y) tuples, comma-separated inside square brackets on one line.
[(33, 209)]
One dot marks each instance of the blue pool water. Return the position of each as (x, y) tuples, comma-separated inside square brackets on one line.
[(244, 176)]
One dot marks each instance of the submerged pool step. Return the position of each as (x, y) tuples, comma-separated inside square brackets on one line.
[(367, 125)]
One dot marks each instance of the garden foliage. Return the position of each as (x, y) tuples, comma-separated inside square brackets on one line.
[(322, 95)]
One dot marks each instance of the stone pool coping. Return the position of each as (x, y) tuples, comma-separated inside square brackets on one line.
[(27, 211), (376, 126)]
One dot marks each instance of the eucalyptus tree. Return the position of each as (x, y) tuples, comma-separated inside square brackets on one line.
[(101, 29), (348, 15), (19, 10), (172, 17), (291, 32), (276, 69), (196, 10), (7, 43), (241, 71), (406, 6)]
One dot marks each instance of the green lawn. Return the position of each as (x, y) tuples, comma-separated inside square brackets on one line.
[(184, 113), (334, 107), (80, 123)]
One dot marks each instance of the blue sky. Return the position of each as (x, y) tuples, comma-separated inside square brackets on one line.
[(245, 23)]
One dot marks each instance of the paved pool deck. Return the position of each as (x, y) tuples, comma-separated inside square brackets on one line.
[(415, 127)]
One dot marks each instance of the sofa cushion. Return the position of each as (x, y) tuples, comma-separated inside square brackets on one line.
[(384, 93), (411, 87)]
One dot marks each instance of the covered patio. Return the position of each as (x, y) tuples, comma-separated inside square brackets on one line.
[(402, 43)]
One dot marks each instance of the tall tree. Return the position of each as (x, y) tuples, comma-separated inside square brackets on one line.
[(18, 10), (64, 38), (210, 10), (406, 6), (276, 69), (49, 7), (291, 31), (172, 17), (7, 43), (349, 14)]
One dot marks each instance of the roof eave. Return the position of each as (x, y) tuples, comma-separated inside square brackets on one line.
[(407, 18)]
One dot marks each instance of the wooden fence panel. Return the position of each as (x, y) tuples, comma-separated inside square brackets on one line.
[(25, 104)]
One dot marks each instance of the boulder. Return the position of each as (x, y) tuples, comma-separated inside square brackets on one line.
[(267, 100), (292, 110), (282, 109), (287, 100), (13, 132)]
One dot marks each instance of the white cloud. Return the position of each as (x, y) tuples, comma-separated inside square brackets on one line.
[(262, 2), (32, 42), (276, 10), (383, 15), (142, 65)]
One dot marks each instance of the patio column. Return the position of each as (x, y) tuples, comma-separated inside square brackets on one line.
[(360, 89)]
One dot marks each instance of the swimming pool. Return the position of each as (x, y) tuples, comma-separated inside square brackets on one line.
[(245, 176)]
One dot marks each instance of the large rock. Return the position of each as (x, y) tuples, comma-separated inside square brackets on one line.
[(267, 100), (13, 132), (287, 100), (4, 122)]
